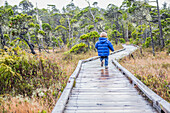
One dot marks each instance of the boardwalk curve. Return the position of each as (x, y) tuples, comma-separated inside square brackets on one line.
[(99, 90)]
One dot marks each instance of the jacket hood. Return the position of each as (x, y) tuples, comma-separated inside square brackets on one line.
[(102, 39)]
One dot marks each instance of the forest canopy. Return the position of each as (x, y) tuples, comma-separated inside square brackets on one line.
[(30, 28)]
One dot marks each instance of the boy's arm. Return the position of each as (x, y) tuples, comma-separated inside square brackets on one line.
[(96, 45), (111, 46)]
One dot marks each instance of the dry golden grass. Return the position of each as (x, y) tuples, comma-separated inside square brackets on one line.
[(21, 105), (117, 47), (67, 63), (153, 71)]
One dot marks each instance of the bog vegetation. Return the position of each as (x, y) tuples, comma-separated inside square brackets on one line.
[(152, 71), (40, 48)]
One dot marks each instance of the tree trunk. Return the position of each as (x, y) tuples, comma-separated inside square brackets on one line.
[(38, 43), (153, 50), (116, 41), (2, 38), (29, 38), (145, 35), (117, 25), (112, 23), (69, 27), (160, 27), (142, 35), (64, 40), (88, 44), (95, 27), (29, 44), (72, 33), (92, 17), (127, 32), (53, 46), (123, 31)]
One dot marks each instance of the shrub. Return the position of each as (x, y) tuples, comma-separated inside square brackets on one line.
[(106, 27), (79, 48), (136, 42), (147, 42), (22, 73), (91, 27), (131, 41), (69, 42), (84, 36), (31, 24), (46, 26), (94, 34), (122, 40), (6, 36), (167, 43), (41, 32)]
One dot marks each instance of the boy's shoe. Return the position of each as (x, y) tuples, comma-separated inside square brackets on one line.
[(102, 64), (106, 67)]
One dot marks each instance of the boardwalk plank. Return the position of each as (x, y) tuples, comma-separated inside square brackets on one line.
[(106, 104), (106, 100), (111, 108), (110, 111)]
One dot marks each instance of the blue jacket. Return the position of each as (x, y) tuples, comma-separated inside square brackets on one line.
[(103, 46)]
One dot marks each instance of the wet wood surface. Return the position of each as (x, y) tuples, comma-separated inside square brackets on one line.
[(100, 90)]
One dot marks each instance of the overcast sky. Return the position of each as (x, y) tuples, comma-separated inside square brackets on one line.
[(81, 3)]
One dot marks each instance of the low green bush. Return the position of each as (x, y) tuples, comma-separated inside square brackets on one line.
[(79, 48), (131, 41), (22, 73), (122, 40), (147, 42)]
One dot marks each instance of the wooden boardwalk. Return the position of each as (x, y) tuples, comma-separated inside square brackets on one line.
[(99, 90)]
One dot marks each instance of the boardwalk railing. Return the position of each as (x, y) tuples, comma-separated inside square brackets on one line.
[(159, 103), (60, 105)]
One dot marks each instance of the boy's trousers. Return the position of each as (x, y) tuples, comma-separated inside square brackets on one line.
[(106, 60)]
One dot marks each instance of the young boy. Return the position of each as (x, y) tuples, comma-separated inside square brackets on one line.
[(103, 47)]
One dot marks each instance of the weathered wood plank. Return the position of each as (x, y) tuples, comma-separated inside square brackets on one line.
[(101, 91), (102, 85), (104, 105), (109, 111), (101, 88), (111, 108), (104, 96), (102, 78), (104, 93), (103, 82), (107, 104), (106, 100), (98, 79)]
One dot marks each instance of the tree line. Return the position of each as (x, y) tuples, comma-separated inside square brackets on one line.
[(30, 28)]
